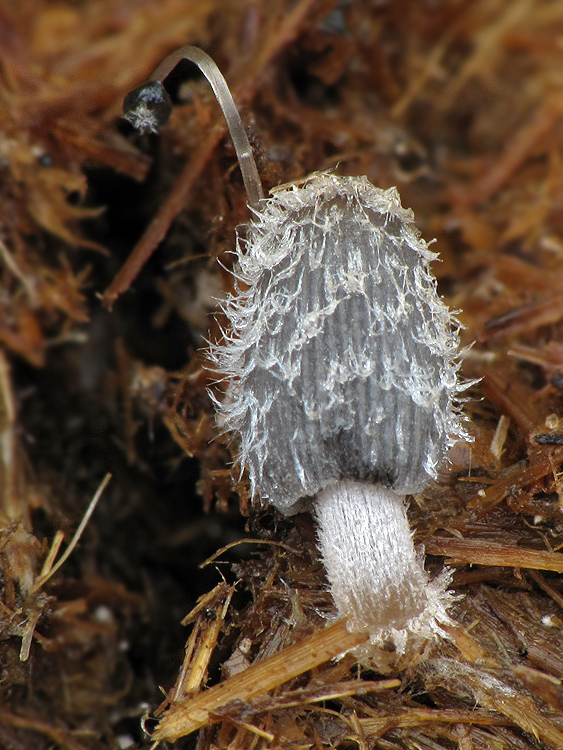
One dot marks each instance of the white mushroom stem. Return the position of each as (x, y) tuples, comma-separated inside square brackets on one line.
[(377, 579)]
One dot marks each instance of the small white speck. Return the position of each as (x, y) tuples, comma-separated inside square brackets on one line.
[(245, 646), (552, 422), (103, 615), (124, 741)]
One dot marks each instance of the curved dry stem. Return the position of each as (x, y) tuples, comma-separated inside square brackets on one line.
[(221, 90)]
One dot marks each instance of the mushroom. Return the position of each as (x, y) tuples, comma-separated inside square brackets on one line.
[(341, 365)]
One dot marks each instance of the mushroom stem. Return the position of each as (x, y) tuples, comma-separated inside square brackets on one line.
[(148, 108), (377, 578), (223, 95)]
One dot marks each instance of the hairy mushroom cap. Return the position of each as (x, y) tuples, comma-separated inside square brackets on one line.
[(341, 359)]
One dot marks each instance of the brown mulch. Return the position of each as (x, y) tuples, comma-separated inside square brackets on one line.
[(113, 250)]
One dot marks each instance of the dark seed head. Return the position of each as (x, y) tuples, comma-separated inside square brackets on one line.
[(148, 107), (549, 438)]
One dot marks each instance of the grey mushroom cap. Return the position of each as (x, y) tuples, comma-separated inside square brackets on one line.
[(342, 359)]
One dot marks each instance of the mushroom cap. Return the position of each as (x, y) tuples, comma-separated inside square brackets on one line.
[(342, 359), (148, 107)]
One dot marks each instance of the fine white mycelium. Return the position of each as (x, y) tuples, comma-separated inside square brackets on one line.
[(341, 363)]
